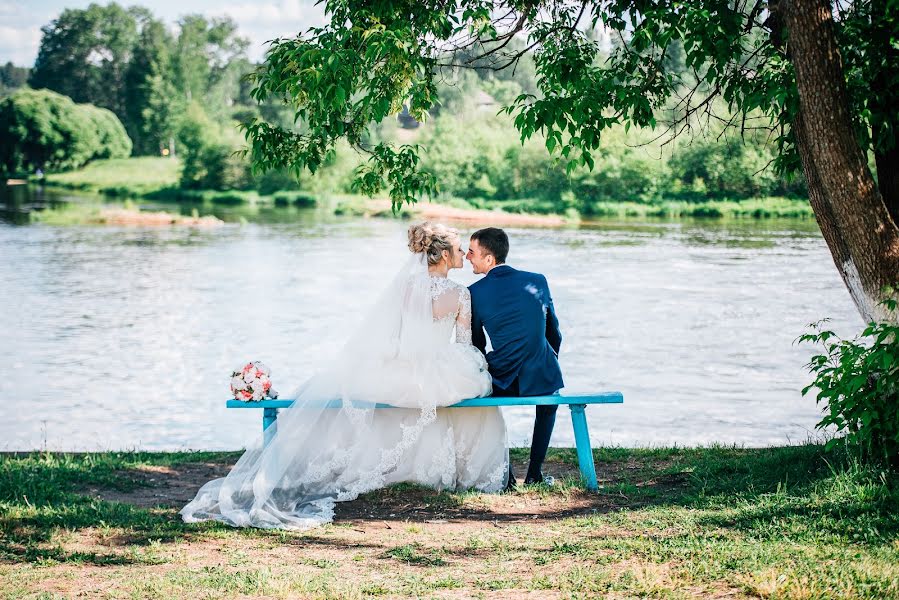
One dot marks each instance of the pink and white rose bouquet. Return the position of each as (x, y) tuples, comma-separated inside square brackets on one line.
[(251, 382)]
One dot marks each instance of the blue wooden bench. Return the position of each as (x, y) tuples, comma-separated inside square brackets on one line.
[(577, 404)]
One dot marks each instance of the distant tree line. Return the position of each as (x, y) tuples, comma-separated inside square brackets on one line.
[(12, 77), (184, 91), (126, 60)]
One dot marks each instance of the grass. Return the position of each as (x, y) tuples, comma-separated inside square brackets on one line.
[(153, 178), (789, 522), (756, 208), (131, 177), (157, 178)]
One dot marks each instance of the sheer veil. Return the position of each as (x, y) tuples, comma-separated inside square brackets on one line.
[(331, 445)]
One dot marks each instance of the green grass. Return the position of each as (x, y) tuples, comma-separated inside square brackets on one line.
[(756, 208), (153, 178), (157, 178), (790, 522), (128, 177)]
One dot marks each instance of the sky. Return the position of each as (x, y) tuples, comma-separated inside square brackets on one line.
[(21, 20)]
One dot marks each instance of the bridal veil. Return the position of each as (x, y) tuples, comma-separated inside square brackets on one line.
[(332, 445)]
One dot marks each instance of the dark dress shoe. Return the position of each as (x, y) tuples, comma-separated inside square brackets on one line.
[(547, 480)]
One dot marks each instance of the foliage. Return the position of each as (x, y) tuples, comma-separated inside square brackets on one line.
[(662, 67), (858, 380), (127, 61), (209, 153), (84, 54), (152, 103), (42, 129), (12, 77), (113, 142)]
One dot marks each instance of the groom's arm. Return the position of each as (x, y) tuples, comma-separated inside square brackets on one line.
[(553, 333)]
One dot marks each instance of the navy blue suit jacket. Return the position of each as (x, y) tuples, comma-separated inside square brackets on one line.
[(516, 310)]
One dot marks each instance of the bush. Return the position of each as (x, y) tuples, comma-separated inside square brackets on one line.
[(275, 181), (113, 141), (210, 156), (299, 199), (858, 379), (41, 129)]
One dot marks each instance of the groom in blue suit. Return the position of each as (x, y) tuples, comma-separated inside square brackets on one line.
[(516, 311)]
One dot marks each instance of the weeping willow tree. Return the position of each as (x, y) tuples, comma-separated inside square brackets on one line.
[(821, 80)]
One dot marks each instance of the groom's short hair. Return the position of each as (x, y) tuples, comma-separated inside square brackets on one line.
[(495, 241)]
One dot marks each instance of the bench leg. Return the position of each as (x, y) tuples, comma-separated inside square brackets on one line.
[(582, 441), (269, 416)]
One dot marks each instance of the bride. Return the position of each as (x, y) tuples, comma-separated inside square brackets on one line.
[(413, 352)]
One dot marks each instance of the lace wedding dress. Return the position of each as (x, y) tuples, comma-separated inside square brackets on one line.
[(413, 352)]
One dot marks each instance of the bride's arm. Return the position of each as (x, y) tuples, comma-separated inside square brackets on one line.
[(463, 319)]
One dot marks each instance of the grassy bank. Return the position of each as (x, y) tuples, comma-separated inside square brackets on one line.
[(667, 523), (157, 179), (127, 177)]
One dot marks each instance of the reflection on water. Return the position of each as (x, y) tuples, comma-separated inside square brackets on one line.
[(124, 337)]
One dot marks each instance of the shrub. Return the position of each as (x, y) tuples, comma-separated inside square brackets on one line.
[(112, 140), (300, 199), (209, 154), (46, 130), (858, 380)]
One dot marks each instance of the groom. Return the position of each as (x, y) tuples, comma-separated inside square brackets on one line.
[(516, 310)]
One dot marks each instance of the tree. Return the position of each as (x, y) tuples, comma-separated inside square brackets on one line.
[(84, 54), (152, 104), (12, 77), (824, 90), (209, 60)]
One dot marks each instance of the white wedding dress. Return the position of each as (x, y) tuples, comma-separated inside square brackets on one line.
[(413, 351)]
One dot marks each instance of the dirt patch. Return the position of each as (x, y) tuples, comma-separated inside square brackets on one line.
[(463, 216), (161, 486), (123, 216), (174, 486)]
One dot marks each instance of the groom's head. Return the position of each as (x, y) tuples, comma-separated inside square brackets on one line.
[(488, 248)]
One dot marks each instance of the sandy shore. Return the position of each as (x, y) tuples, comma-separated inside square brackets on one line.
[(470, 216), (122, 216)]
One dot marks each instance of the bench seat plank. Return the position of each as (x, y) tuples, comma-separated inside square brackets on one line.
[(604, 398), (576, 402)]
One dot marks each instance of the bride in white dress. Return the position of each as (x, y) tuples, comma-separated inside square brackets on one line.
[(412, 351)]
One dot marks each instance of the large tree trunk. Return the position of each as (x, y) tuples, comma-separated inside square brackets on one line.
[(854, 219)]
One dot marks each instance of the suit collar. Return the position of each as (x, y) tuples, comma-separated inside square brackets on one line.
[(499, 270)]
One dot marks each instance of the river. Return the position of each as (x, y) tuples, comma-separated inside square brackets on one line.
[(123, 338)]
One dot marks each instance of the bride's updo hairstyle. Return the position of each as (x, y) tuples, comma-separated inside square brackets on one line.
[(431, 239)]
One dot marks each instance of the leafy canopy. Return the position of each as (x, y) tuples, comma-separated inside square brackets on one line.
[(666, 65)]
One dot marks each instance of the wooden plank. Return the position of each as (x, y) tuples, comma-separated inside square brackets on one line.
[(601, 398)]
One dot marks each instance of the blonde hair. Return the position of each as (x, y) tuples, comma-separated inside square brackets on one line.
[(431, 239)]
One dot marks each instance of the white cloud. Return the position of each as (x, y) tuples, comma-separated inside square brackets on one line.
[(19, 44), (264, 21), (279, 14)]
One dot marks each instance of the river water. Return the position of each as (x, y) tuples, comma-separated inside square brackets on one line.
[(123, 338)]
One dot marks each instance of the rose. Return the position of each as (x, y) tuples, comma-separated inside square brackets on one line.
[(261, 367)]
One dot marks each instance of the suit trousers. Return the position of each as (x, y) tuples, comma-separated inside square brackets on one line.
[(543, 429)]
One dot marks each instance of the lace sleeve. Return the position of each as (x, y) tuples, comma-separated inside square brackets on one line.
[(463, 319)]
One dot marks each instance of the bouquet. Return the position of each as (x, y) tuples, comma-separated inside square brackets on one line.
[(251, 383)]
